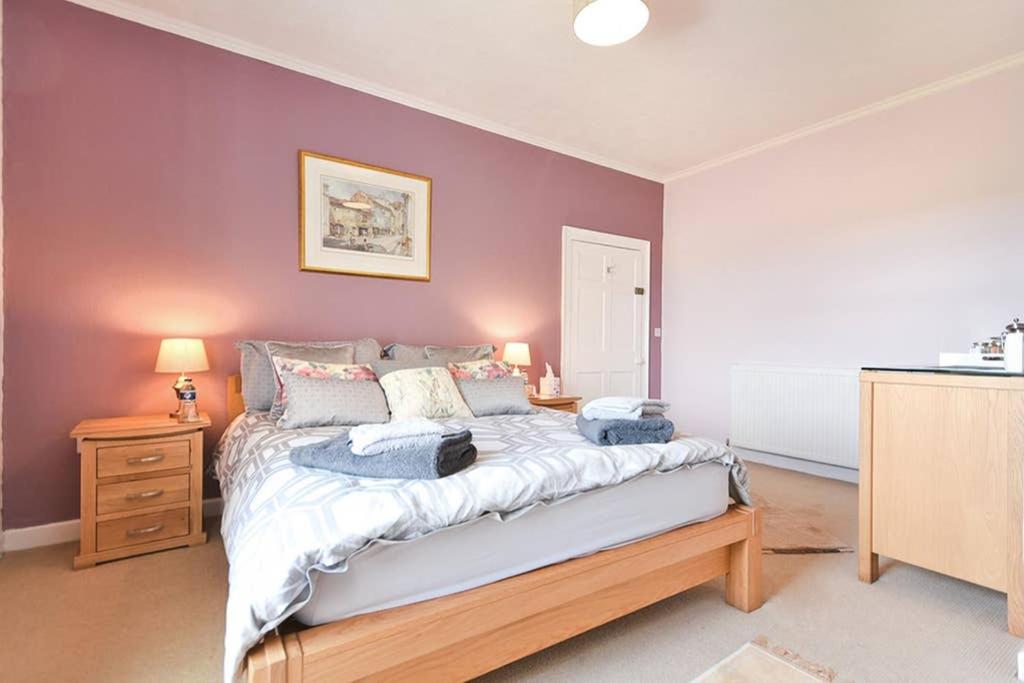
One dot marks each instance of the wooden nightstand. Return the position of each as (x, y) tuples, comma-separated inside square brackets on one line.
[(142, 486), (569, 404)]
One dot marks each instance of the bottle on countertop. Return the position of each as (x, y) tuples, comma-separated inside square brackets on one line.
[(188, 409)]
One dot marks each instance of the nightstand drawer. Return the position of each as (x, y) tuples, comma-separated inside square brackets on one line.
[(156, 526), (152, 456), (142, 493)]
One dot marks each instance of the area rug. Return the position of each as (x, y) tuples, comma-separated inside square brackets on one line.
[(757, 662), (795, 531)]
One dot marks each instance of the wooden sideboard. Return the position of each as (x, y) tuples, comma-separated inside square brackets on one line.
[(941, 477)]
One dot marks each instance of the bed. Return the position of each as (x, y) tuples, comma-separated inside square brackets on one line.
[(334, 578)]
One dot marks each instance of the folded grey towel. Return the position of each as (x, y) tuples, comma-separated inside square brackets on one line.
[(454, 453), (626, 432)]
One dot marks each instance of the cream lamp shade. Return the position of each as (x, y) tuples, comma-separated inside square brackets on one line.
[(517, 353), (180, 355)]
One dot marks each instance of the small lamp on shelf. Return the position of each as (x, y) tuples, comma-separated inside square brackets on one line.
[(181, 356), (516, 354)]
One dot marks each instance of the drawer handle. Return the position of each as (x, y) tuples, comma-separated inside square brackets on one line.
[(145, 459), (145, 530), (143, 495)]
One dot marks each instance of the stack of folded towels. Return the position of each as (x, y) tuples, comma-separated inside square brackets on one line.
[(622, 420), (415, 448)]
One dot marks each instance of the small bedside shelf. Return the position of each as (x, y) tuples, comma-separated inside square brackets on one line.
[(142, 486), (568, 404)]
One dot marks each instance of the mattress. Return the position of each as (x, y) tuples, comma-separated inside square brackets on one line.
[(489, 549), (284, 524)]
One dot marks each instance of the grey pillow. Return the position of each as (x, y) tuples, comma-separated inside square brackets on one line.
[(341, 353), (446, 354), (383, 367), (314, 402), (460, 354), (404, 352), (259, 381), (504, 396)]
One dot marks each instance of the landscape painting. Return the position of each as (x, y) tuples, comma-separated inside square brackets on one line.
[(360, 217), (363, 220)]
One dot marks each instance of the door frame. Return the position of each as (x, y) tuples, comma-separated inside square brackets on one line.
[(573, 234)]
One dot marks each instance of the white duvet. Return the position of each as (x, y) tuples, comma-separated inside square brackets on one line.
[(282, 521)]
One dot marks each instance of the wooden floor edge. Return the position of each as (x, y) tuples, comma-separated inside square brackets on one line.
[(280, 659)]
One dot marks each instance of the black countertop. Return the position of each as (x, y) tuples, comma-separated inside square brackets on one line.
[(950, 370)]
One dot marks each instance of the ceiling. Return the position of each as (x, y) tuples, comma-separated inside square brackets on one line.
[(705, 80)]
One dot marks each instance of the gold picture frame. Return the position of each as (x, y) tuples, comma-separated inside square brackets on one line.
[(360, 219)]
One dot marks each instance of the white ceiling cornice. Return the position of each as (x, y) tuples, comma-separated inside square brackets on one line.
[(162, 22), (911, 95), (131, 12)]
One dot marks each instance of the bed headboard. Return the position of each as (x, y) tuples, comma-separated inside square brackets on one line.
[(236, 404)]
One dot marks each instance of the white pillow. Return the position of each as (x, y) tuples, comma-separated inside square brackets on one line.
[(423, 392)]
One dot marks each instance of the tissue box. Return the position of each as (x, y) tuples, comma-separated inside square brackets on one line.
[(550, 386)]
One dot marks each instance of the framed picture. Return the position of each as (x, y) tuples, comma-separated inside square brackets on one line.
[(362, 220)]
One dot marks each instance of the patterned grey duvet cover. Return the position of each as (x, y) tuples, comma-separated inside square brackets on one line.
[(282, 521)]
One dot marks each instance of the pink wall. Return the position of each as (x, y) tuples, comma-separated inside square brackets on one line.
[(151, 190), (886, 240)]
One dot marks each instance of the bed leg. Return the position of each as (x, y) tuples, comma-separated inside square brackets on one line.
[(743, 582), (268, 662)]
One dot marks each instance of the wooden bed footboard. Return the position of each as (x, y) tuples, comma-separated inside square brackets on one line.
[(467, 634)]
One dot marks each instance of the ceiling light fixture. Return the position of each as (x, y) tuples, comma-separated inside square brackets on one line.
[(609, 22)]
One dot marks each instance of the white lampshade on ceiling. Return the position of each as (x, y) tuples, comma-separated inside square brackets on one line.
[(609, 22), (182, 355)]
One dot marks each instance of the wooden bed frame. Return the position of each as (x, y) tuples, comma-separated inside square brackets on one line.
[(459, 636)]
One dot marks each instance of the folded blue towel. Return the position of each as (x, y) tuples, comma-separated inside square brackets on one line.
[(626, 432), (454, 453)]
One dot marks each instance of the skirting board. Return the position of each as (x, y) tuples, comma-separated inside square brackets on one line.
[(67, 531), (818, 469)]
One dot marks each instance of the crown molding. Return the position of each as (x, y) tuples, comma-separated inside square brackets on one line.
[(162, 22), (905, 97)]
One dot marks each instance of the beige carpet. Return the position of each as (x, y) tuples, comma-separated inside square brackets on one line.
[(796, 528), (160, 617)]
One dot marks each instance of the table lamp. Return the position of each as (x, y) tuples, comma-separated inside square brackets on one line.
[(516, 354), (180, 356)]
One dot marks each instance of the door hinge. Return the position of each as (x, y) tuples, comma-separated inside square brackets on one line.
[(639, 291)]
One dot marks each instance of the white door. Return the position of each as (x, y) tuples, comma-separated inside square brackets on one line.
[(605, 309)]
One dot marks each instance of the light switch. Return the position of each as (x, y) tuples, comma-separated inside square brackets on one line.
[(657, 332)]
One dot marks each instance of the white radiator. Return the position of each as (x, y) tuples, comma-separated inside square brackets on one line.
[(807, 413)]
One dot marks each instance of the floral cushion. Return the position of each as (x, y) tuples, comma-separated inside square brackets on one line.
[(423, 392), (315, 370), (480, 369)]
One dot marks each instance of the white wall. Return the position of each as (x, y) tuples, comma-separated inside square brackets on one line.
[(881, 241)]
